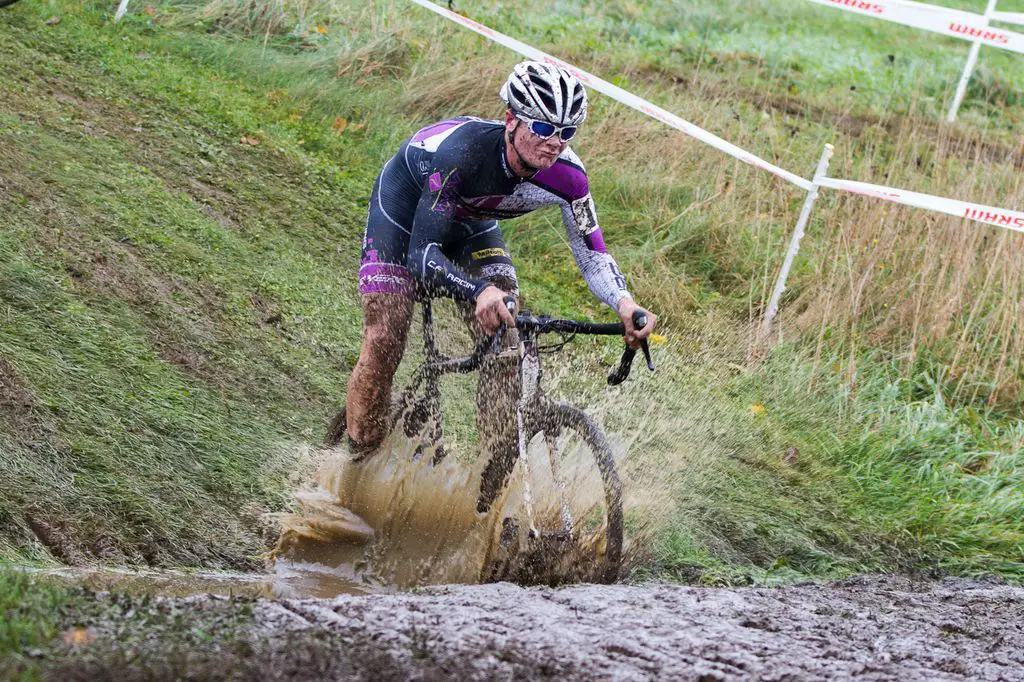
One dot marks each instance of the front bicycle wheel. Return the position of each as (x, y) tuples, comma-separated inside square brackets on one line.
[(574, 514)]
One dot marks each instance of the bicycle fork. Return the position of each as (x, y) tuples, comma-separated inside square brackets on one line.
[(530, 389)]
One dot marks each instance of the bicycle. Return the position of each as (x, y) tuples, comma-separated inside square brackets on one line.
[(560, 424), (5, 3)]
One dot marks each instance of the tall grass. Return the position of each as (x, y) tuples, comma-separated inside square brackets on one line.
[(922, 285), (872, 275)]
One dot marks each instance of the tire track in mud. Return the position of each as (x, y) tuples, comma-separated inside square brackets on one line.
[(869, 628)]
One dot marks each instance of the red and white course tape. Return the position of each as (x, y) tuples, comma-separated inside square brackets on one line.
[(621, 95), (1000, 217), (944, 20)]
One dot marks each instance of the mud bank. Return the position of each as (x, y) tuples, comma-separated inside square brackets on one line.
[(868, 628)]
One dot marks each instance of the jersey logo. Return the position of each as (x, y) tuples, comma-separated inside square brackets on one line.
[(449, 275), (490, 253)]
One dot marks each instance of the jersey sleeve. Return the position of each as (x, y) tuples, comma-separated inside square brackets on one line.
[(587, 243), (431, 227)]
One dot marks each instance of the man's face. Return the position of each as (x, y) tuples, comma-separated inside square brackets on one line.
[(538, 153)]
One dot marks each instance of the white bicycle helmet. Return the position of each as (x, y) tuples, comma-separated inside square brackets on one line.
[(546, 93)]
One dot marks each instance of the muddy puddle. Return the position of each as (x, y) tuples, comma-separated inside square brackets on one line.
[(400, 521), (292, 579), (878, 628), (397, 522)]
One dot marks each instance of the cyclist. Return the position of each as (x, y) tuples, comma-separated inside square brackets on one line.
[(432, 225)]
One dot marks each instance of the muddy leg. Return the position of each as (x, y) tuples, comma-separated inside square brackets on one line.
[(386, 320)]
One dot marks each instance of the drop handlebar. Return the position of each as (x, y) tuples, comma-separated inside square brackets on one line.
[(543, 324)]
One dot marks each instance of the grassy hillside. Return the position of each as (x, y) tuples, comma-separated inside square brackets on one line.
[(183, 198)]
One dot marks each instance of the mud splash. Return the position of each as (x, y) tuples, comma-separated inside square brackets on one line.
[(399, 521)]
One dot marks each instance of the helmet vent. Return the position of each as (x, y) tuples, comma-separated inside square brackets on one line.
[(545, 92)]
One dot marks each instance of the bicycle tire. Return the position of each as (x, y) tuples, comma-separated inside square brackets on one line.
[(556, 417), (5, 3)]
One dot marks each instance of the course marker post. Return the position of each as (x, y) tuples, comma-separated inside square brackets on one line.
[(794, 242), (121, 9), (972, 61)]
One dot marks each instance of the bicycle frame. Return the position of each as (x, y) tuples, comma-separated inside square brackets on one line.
[(435, 365), (531, 398)]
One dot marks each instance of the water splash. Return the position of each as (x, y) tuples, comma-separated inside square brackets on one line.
[(399, 521)]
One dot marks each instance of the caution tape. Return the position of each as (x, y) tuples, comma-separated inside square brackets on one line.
[(944, 20), (991, 215), (1000, 217), (1009, 17), (621, 95)]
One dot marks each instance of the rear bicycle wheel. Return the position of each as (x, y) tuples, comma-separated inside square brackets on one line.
[(582, 501)]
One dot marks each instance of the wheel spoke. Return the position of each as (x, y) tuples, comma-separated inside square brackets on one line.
[(578, 506)]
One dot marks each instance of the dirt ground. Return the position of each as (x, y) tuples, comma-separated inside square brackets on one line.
[(866, 628)]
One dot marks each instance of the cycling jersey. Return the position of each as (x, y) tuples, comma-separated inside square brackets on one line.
[(433, 209)]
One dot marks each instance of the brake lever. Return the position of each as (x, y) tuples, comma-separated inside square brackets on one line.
[(626, 363), (647, 354)]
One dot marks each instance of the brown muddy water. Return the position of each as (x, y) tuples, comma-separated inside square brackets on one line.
[(398, 521), (394, 523), (335, 607), (876, 628)]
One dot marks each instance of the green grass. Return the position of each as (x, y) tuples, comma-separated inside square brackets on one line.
[(818, 55), (137, 308), (32, 614), (178, 308)]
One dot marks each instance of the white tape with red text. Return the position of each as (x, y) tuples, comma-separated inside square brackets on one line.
[(1000, 217), (621, 95), (1009, 17), (986, 214), (944, 20)]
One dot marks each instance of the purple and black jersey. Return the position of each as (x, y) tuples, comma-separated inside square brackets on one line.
[(434, 205)]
